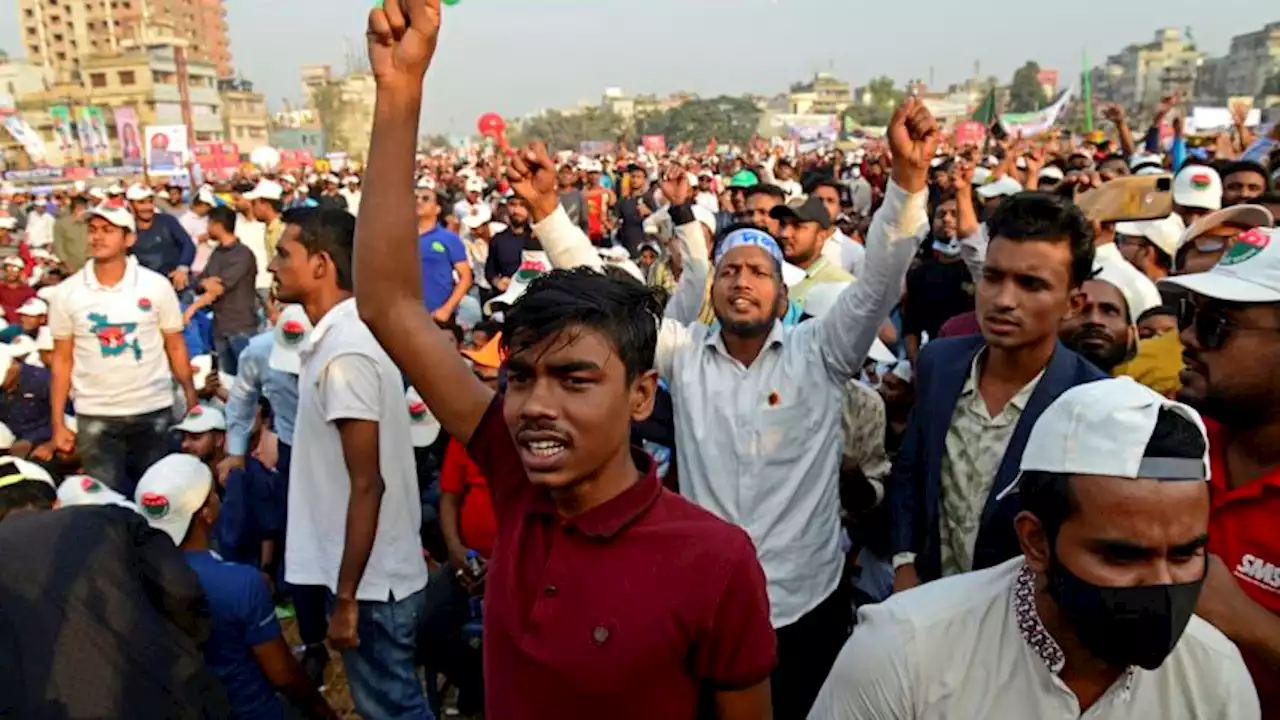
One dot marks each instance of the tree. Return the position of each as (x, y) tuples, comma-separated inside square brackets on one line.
[(561, 131), (884, 98), (326, 99), (431, 142), (727, 119), (1026, 94)]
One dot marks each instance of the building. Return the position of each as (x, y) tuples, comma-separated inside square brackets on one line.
[(824, 95), (343, 107), (310, 139), (1139, 75), (245, 120), (1252, 59), (62, 34), (143, 79), (18, 78)]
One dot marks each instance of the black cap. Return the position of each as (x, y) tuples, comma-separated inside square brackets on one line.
[(809, 209)]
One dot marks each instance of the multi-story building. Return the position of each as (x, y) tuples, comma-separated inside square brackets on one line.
[(824, 95), (245, 120), (18, 78), (1252, 59), (343, 107), (62, 34), (1138, 76)]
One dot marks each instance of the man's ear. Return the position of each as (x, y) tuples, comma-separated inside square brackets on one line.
[(644, 391), (1033, 540), (1076, 303), (784, 299)]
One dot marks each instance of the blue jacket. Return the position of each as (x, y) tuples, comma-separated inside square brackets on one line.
[(164, 246), (915, 492)]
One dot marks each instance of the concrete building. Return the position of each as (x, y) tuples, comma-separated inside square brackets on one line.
[(1139, 75), (245, 120), (1252, 59), (62, 34), (824, 95), (310, 139), (18, 78), (343, 107)]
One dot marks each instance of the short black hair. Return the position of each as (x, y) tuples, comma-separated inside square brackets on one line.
[(25, 495), (1250, 166), (488, 327), (772, 191), (79, 201), (626, 312), (224, 216), (1042, 217), (1049, 496), (452, 328), (330, 231), (823, 182)]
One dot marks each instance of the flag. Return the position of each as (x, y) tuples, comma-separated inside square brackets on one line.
[(986, 112), (1086, 82)]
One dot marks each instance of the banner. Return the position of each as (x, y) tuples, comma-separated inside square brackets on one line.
[(216, 159), (1037, 123), (128, 136), (969, 132), (166, 149), (596, 147), (63, 130), (654, 144), (27, 137), (294, 159), (92, 131)]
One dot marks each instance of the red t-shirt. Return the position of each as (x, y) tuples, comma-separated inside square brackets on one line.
[(460, 476), (629, 611), (1242, 531), (12, 298), (595, 214)]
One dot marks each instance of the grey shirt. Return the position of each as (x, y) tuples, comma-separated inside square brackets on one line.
[(236, 311)]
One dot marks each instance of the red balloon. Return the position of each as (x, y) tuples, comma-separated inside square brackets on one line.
[(491, 125)]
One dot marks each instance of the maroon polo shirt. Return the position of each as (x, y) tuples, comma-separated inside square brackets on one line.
[(633, 609)]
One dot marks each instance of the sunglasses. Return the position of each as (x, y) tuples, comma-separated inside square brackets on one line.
[(1212, 327)]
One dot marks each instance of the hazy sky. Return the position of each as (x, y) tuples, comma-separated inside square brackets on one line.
[(515, 56)]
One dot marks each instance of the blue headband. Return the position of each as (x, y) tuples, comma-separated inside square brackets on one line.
[(749, 237)]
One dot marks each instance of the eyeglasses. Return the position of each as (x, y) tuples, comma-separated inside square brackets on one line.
[(1213, 327)]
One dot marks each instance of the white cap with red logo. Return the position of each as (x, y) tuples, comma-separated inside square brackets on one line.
[(114, 212), (1249, 272), (1198, 186)]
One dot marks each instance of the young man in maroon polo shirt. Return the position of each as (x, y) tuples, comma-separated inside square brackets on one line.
[(608, 596)]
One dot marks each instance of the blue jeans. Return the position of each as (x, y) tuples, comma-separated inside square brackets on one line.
[(229, 349), (115, 451), (382, 670)]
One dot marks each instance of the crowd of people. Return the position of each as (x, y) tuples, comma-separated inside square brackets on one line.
[(911, 430)]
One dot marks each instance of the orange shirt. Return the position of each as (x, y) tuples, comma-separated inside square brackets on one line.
[(460, 476)]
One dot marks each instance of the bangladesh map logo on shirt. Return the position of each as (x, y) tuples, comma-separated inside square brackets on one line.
[(1247, 246), (115, 339)]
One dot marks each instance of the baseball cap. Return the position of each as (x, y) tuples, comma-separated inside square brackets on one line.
[(171, 492), (1245, 216), (424, 428), (14, 470), (1103, 428), (479, 216), (291, 331), (137, 191), (34, 307), (1140, 294), (202, 419), (744, 179), (14, 261), (1198, 186), (114, 212), (82, 490), (265, 190), (475, 185), (97, 194), (1248, 272), (819, 301), (1163, 233), (115, 188), (808, 209), (1003, 187), (618, 257), (533, 263), (981, 175), (205, 195), (201, 366), (1052, 172), (350, 180)]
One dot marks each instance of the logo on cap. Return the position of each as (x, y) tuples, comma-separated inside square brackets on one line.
[(144, 305), (89, 485), (292, 331), (155, 505), (418, 411), (1200, 181), (1247, 246), (196, 411)]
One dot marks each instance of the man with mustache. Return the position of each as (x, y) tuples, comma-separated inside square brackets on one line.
[(1104, 330), (980, 395)]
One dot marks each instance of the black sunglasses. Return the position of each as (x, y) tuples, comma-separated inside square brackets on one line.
[(1213, 327)]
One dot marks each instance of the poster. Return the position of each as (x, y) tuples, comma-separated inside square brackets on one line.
[(295, 159), (92, 132), (128, 136), (63, 130), (218, 160), (27, 137), (166, 149), (969, 132), (654, 144)]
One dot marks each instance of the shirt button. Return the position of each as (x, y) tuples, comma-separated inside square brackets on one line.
[(600, 635), (550, 590)]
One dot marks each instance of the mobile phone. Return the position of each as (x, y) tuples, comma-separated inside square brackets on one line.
[(1129, 199)]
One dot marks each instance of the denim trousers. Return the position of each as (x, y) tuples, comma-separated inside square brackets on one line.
[(229, 349), (115, 451), (381, 669)]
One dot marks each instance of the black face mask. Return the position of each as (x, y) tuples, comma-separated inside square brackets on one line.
[(1124, 626)]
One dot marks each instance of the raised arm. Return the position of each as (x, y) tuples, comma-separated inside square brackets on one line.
[(899, 226), (388, 283), (532, 174), (686, 301)]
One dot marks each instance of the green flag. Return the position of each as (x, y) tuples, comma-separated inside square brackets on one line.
[(1086, 82), (986, 112)]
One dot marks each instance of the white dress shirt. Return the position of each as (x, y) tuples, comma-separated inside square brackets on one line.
[(845, 252), (760, 445), (39, 229), (973, 646)]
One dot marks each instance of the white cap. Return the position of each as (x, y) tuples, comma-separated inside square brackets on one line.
[(291, 331), (1198, 186), (82, 490), (171, 492), (115, 188), (1245, 216), (1140, 294), (330, 179), (205, 195), (1249, 271), (1052, 172), (533, 263), (34, 307), (1163, 233), (475, 185), (426, 183), (14, 470), (1003, 187), (1102, 428), (201, 366), (1139, 160), (350, 179), (138, 192), (202, 419), (980, 176), (479, 216), (823, 296), (97, 194), (15, 262), (78, 186), (8, 222), (265, 190), (1150, 170), (114, 212), (618, 257), (706, 217), (424, 428), (7, 438)]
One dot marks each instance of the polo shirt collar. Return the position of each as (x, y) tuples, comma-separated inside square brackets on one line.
[(615, 515), (130, 275), (336, 314), (816, 266), (1223, 493)]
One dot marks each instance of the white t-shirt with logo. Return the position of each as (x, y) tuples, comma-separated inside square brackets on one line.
[(346, 375), (120, 367)]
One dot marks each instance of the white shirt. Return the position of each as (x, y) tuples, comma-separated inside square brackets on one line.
[(120, 368), (973, 646), (254, 236), (760, 446), (708, 201), (347, 375), (39, 229), (845, 253), (353, 200)]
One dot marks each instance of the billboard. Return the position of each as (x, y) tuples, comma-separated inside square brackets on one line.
[(167, 150), (216, 159), (63, 131), (128, 135), (92, 131)]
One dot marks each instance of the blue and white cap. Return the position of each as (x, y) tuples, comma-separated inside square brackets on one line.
[(749, 237)]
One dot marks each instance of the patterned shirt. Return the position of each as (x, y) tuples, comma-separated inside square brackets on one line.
[(863, 420), (976, 442)]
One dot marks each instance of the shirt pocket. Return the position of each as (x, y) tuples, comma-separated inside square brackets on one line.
[(785, 431)]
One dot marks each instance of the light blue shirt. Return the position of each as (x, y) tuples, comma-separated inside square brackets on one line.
[(257, 379)]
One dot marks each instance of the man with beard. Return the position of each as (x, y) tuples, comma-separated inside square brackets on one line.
[(570, 197), (842, 250), (1230, 329), (802, 225), (940, 287), (1242, 182), (1102, 330), (507, 248), (1095, 617), (761, 200)]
